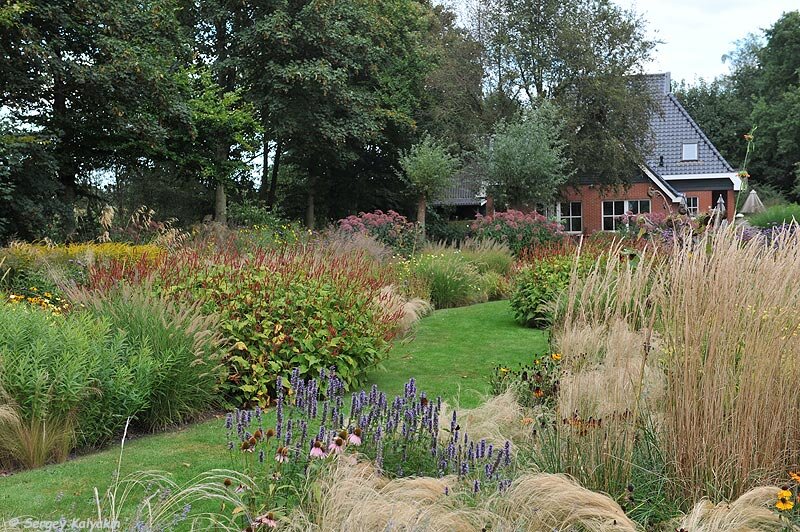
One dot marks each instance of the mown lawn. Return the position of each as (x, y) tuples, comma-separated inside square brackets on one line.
[(451, 354)]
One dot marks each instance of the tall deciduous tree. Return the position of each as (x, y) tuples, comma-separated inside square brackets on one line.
[(332, 81), (580, 55), (525, 162), (429, 169), (93, 79)]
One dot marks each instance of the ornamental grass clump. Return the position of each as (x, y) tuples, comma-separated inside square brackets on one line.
[(452, 281), (723, 314), (534, 501)]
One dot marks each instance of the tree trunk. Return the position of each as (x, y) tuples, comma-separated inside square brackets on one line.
[(66, 170), (422, 205), (262, 190), (310, 215), (273, 184), (220, 205), (489, 206)]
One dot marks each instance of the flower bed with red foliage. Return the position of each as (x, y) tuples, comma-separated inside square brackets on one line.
[(296, 308)]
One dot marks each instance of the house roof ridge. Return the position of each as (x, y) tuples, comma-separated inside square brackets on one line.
[(699, 130), (663, 183)]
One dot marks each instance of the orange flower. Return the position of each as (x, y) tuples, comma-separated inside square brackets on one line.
[(795, 475), (538, 392)]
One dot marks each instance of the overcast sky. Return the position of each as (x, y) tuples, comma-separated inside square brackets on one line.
[(696, 33)]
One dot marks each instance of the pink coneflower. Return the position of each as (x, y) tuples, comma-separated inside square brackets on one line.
[(317, 451), (355, 437), (336, 446), (281, 454), (266, 519)]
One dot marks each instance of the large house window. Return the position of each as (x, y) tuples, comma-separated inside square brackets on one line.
[(569, 214), (689, 151), (693, 205), (615, 209)]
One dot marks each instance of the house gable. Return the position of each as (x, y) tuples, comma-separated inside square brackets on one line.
[(671, 128)]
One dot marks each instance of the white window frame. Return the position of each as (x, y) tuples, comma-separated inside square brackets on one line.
[(569, 217), (693, 210), (626, 209), (696, 151)]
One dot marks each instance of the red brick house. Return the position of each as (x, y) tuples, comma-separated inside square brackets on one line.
[(684, 171)]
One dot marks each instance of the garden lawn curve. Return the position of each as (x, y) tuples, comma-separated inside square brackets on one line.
[(451, 353)]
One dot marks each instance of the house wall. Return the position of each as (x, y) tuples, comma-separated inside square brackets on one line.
[(592, 197)]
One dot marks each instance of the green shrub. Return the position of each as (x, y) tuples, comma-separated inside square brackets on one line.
[(497, 286), (538, 285), (453, 281), (776, 215)]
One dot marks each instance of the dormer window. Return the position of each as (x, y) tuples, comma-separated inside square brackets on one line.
[(689, 152)]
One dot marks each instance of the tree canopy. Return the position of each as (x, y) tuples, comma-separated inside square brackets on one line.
[(762, 90), (316, 108)]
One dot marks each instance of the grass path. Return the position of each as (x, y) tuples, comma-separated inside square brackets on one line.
[(451, 354)]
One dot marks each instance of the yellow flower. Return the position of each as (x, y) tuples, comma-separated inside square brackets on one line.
[(785, 501), (556, 356), (795, 475), (240, 346), (503, 370)]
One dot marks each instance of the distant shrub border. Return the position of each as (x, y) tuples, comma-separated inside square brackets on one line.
[(517, 229)]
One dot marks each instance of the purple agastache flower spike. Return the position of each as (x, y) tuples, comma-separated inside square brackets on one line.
[(482, 452), (261, 456), (488, 471), (229, 421), (489, 451), (507, 452), (373, 395), (453, 422), (471, 453), (303, 431), (464, 469), (476, 486), (288, 432)]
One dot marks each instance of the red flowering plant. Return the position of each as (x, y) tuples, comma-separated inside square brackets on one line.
[(390, 228), (518, 229)]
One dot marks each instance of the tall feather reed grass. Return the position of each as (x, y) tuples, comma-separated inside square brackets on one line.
[(724, 315)]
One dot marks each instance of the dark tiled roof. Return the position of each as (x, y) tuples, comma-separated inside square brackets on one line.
[(464, 190), (671, 129)]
